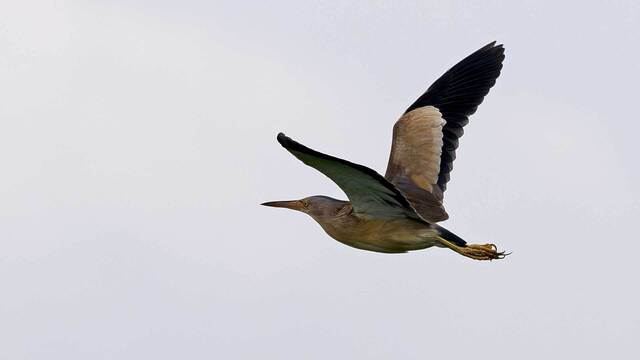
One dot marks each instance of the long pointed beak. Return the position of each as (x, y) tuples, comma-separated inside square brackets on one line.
[(292, 204)]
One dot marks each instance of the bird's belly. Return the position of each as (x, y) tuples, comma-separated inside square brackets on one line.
[(388, 236)]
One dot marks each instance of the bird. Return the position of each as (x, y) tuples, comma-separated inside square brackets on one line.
[(400, 211)]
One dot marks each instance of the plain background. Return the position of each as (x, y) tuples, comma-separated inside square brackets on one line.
[(138, 138)]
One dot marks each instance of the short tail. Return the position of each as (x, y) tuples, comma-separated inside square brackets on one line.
[(449, 236)]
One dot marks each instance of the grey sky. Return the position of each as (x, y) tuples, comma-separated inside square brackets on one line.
[(136, 141)]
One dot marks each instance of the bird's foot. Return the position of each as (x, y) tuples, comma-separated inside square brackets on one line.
[(481, 252), (475, 251)]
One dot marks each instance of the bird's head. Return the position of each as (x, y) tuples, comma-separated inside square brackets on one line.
[(315, 206)]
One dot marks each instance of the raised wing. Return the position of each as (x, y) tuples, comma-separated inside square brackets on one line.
[(414, 163), (426, 137), (457, 94), (370, 194)]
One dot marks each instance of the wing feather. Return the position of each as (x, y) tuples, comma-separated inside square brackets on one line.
[(457, 95), (426, 137), (414, 162), (370, 194)]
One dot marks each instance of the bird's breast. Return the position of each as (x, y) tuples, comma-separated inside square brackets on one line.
[(386, 235)]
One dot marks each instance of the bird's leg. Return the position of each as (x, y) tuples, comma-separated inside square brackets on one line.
[(475, 251)]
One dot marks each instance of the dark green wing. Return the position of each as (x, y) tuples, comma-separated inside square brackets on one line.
[(370, 194)]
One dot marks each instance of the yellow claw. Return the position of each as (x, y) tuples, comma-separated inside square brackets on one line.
[(476, 251)]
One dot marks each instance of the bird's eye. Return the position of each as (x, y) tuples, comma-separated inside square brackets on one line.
[(305, 203)]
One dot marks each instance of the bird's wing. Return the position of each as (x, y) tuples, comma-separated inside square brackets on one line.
[(456, 95), (414, 163), (370, 194)]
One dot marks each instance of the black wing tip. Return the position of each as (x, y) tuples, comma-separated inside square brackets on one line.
[(494, 43), (492, 49), (284, 140), (292, 145), (487, 60), (492, 46), (486, 52)]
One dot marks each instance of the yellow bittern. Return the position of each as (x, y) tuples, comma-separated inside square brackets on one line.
[(398, 212)]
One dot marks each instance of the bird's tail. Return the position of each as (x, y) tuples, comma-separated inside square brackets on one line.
[(449, 236), (474, 251)]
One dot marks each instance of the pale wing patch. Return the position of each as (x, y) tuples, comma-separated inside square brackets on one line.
[(414, 163), (417, 146)]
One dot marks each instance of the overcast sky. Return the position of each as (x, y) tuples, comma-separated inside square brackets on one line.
[(138, 138)]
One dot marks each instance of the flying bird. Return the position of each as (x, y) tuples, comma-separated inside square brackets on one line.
[(400, 211)]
